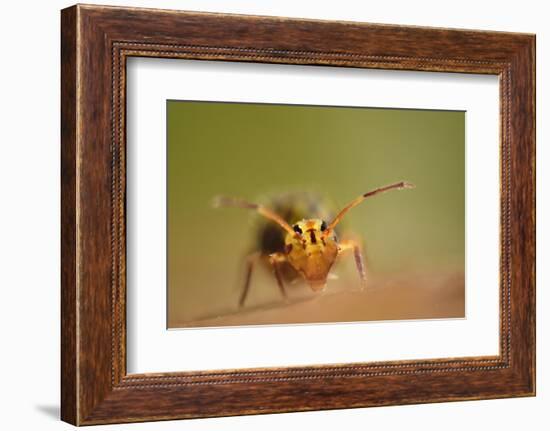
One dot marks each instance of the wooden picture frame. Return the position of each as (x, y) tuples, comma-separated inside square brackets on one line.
[(95, 43)]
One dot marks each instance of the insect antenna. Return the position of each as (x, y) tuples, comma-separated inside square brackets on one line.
[(397, 186), (224, 201)]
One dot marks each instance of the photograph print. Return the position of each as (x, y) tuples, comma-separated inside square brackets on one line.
[(301, 214)]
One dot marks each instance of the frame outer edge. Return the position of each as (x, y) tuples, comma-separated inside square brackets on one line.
[(532, 84), (524, 216), (530, 63), (69, 201), (87, 396), (533, 54)]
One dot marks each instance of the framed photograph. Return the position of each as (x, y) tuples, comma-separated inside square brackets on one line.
[(263, 214)]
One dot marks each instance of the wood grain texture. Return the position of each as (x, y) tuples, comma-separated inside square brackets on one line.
[(69, 397), (96, 41)]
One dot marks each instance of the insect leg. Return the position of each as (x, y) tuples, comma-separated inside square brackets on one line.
[(251, 260), (348, 245), (275, 259)]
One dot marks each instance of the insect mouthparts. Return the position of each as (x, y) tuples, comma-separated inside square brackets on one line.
[(312, 237)]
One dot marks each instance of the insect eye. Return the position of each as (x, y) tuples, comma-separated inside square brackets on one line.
[(297, 229), (323, 226)]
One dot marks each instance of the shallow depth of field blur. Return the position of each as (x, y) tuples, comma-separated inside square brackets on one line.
[(414, 239)]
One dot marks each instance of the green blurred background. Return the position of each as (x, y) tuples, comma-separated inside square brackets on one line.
[(256, 150)]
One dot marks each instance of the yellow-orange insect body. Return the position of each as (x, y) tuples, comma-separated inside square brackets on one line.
[(310, 245)]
